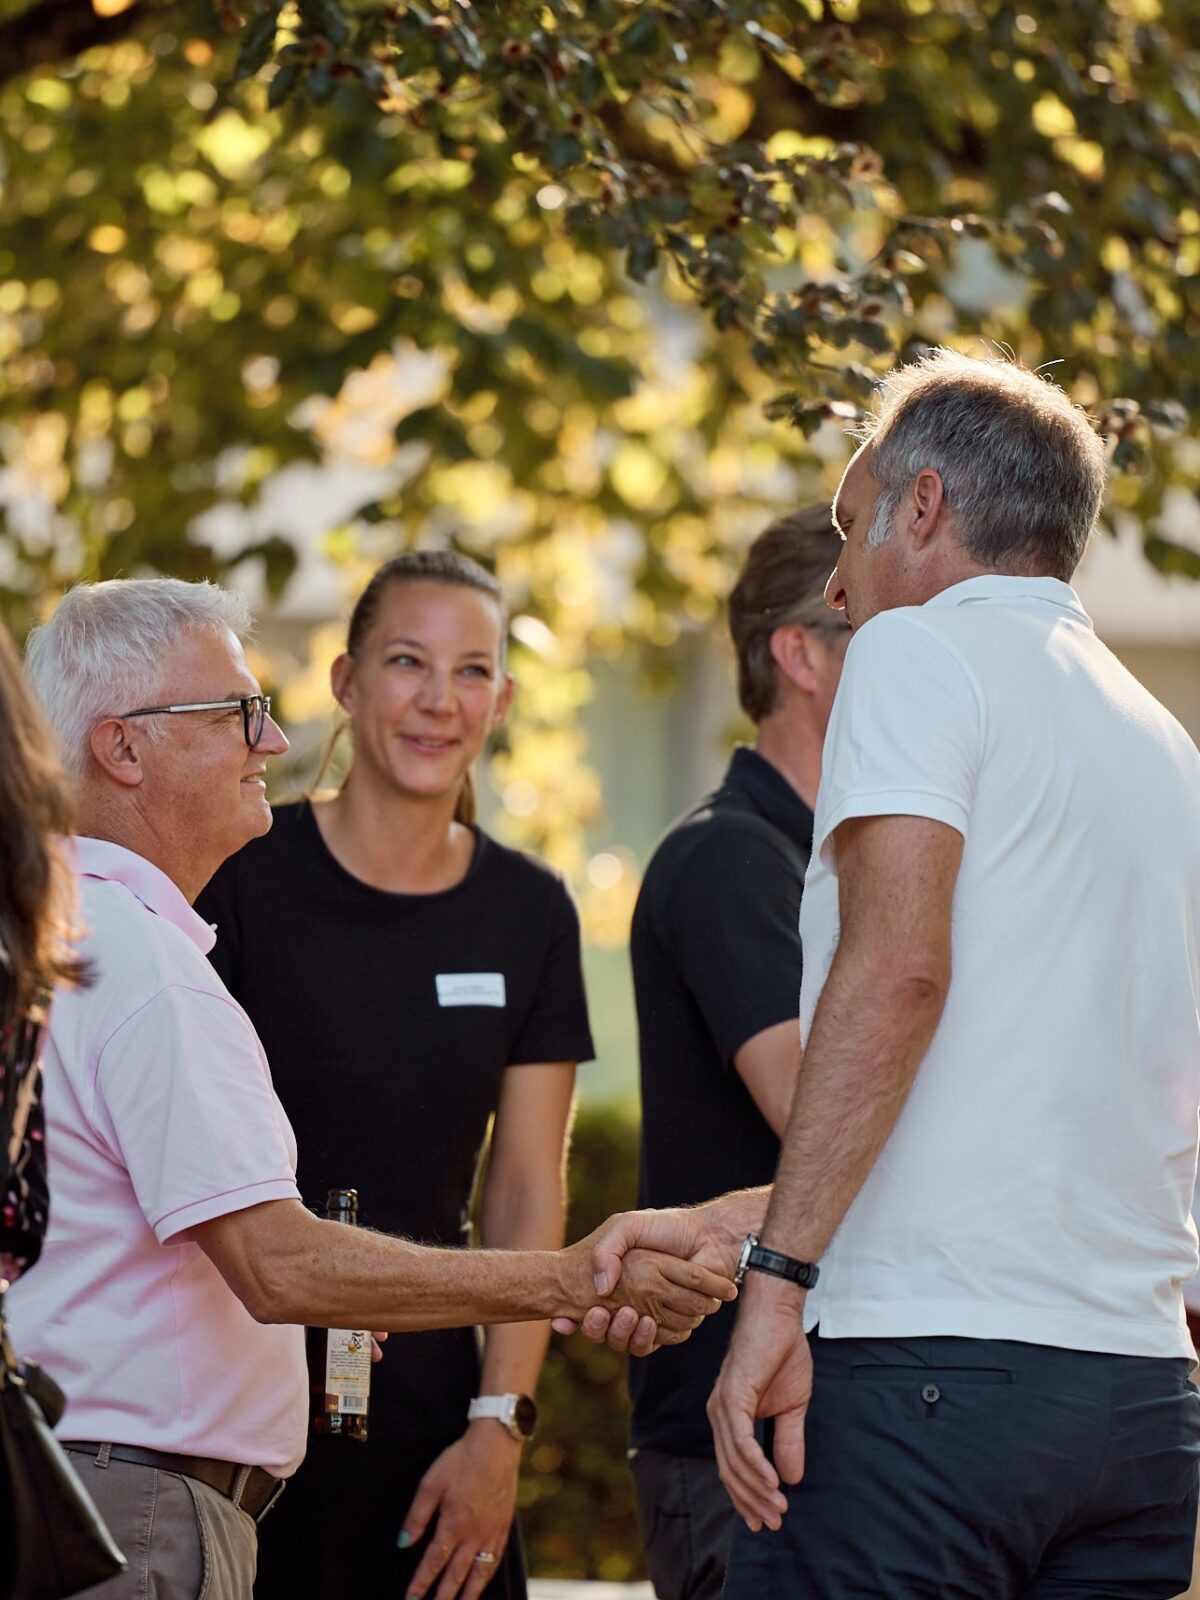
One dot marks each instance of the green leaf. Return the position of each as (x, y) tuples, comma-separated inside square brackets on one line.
[(565, 151), (641, 257), (645, 35), (256, 45), (282, 84), (1172, 558)]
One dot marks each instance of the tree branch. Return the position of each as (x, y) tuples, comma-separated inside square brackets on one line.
[(50, 32)]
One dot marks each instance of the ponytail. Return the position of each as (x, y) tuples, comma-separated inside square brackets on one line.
[(466, 808), (340, 726)]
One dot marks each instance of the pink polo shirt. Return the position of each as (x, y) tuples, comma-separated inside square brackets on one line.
[(160, 1115)]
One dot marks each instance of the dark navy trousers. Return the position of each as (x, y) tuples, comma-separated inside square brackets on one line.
[(970, 1469)]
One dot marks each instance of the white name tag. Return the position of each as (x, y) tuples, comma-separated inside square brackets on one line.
[(470, 988)]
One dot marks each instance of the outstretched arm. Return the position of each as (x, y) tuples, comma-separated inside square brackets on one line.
[(285, 1265)]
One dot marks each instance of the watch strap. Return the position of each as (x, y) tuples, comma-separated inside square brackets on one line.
[(516, 1412), (499, 1406), (760, 1259)]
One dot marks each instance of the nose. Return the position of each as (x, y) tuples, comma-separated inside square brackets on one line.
[(835, 593), (437, 692), (273, 741)]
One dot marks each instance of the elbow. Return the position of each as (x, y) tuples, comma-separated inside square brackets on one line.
[(909, 985), (921, 984), (265, 1307), (269, 1296)]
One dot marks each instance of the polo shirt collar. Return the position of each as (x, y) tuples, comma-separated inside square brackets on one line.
[(770, 793), (113, 863), (1005, 586)]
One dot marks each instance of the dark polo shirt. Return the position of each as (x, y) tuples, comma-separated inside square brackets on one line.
[(716, 960)]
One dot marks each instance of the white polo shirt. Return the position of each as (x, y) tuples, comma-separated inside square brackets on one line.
[(1037, 1185), (160, 1115)]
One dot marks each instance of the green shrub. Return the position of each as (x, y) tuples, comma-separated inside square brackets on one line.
[(577, 1511)]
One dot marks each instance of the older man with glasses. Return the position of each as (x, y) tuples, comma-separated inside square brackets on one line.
[(179, 1260)]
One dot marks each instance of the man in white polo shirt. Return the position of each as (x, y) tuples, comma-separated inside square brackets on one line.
[(992, 1146), (179, 1260)]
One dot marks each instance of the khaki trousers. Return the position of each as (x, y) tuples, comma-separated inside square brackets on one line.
[(183, 1540)]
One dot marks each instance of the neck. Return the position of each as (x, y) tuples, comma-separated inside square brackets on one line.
[(401, 843), (132, 829), (793, 747)]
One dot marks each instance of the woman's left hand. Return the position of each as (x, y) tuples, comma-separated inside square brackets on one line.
[(472, 1489)]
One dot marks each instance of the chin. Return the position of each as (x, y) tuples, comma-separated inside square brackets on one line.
[(427, 785), (258, 821)]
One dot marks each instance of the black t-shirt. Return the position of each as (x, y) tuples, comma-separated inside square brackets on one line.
[(716, 960), (388, 1021)]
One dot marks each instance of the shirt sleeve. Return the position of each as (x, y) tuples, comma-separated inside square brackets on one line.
[(556, 1028), (730, 922), (184, 1096), (906, 734)]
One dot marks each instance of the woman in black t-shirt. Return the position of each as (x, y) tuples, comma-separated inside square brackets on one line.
[(410, 978)]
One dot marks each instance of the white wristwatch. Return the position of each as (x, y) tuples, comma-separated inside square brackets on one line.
[(517, 1412)]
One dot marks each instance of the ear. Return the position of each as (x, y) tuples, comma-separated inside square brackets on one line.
[(117, 753), (503, 701), (341, 681), (793, 650), (927, 500)]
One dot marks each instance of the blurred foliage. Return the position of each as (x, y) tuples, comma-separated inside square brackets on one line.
[(285, 288), (578, 1517)]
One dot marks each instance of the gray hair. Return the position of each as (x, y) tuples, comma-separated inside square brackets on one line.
[(103, 650), (1022, 470)]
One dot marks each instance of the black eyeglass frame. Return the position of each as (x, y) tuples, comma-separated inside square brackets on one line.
[(258, 704)]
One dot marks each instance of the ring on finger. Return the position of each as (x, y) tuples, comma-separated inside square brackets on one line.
[(485, 1556)]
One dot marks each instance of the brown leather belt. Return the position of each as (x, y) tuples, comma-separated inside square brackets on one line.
[(252, 1489)]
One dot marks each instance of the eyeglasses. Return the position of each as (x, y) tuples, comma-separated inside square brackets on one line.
[(255, 709)]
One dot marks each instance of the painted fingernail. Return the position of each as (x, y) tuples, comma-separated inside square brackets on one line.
[(403, 1540)]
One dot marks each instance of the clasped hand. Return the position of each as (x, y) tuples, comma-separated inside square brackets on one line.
[(627, 1291), (651, 1277)]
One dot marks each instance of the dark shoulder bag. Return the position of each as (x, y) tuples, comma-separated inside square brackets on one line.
[(53, 1541)]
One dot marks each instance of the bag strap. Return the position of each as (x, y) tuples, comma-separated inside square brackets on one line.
[(8, 1360)]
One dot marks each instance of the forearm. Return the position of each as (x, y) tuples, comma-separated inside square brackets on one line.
[(872, 1027), (328, 1275), (528, 1218)]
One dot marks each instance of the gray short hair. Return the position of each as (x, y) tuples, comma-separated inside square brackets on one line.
[(103, 650), (1022, 469)]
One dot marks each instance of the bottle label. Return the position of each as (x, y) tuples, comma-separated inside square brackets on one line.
[(347, 1370)]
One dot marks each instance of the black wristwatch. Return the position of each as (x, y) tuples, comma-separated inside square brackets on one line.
[(757, 1258)]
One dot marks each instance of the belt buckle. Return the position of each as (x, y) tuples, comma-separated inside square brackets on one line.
[(280, 1486)]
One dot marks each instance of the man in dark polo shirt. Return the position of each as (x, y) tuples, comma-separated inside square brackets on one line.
[(716, 968)]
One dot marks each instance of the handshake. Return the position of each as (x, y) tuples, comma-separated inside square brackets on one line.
[(645, 1279)]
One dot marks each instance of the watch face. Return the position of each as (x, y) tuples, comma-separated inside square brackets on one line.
[(525, 1416)]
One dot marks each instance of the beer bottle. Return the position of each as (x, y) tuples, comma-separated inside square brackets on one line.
[(339, 1359)]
